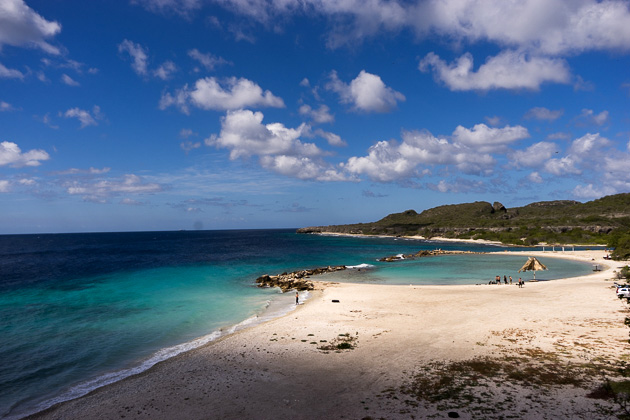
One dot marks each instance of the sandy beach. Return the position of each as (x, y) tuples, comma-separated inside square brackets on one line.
[(414, 352)]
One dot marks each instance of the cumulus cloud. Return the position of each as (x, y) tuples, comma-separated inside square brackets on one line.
[(320, 115), (533, 156), (560, 27), (5, 107), (544, 114), (278, 148), (487, 139), (366, 92), (468, 150), (188, 145), (11, 155), (535, 178), (590, 191), (584, 152), (589, 117), (332, 138), (69, 80), (7, 73), (101, 190), (165, 71), (85, 117), (207, 60), (21, 26), (459, 185), (4, 186), (138, 55), (210, 94), (507, 70)]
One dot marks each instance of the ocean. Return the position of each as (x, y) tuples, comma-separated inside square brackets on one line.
[(79, 311)]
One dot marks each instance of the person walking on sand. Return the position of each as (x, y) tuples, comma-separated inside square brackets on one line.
[(510, 279), (520, 282), (297, 298)]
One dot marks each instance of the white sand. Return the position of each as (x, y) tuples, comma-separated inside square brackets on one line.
[(273, 371)]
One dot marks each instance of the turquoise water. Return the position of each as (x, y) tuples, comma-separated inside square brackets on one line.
[(460, 269), (80, 311)]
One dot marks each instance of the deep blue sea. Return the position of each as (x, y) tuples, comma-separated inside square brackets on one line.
[(78, 311)]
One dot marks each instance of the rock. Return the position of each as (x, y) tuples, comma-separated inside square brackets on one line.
[(498, 207), (295, 280)]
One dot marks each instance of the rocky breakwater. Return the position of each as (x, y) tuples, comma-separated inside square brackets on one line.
[(423, 253), (297, 280)]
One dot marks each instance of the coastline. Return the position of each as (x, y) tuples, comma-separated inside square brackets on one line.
[(444, 239), (275, 369)]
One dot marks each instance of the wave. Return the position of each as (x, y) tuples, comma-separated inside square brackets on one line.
[(274, 308), (360, 266)]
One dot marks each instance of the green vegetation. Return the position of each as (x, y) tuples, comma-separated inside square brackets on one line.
[(605, 221), (620, 240)]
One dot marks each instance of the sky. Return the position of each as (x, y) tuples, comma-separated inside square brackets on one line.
[(137, 115)]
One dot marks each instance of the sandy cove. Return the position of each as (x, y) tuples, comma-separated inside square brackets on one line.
[(275, 370)]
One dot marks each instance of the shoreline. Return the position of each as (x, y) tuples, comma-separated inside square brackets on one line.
[(454, 240), (274, 369)]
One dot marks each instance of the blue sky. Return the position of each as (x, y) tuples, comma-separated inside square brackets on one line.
[(216, 114)]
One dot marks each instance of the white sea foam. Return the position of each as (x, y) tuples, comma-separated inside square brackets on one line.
[(360, 266), (274, 308)]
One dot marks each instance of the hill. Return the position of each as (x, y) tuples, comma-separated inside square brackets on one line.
[(602, 221)]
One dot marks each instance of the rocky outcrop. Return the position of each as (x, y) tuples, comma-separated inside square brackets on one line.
[(498, 207), (297, 280), (420, 254)]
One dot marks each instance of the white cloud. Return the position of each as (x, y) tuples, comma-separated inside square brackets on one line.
[(545, 114), (494, 121), (332, 138), (165, 71), (460, 185), (588, 117), (585, 152), (320, 115), (4, 186), (487, 139), (208, 94), (557, 27), (101, 190), (6, 73), (366, 92), (21, 26), (186, 132), (535, 178), (590, 192), (534, 156), (507, 70), (207, 60), (383, 163), (5, 107), (77, 171), (85, 117), (188, 145), (11, 154), (278, 148), (69, 80), (138, 54), (389, 161), (180, 7), (243, 133)]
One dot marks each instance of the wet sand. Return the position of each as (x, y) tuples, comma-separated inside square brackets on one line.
[(281, 369)]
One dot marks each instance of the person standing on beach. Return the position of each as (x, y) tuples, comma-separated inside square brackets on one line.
[(520, 282), (510, 279), (297, 298)]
